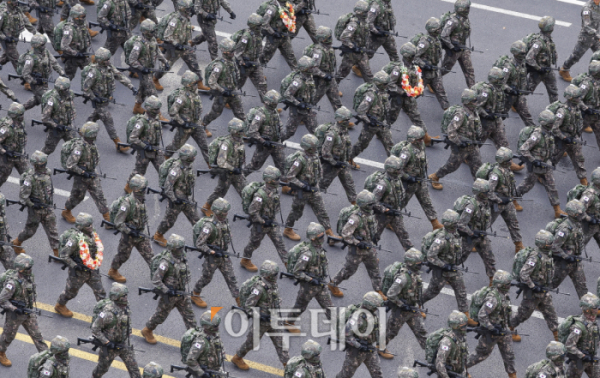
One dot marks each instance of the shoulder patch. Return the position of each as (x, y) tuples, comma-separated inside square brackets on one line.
[(255, 291), (576, 331), (469, 210)]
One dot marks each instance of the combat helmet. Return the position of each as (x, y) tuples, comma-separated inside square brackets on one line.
[(175, 242), (227, 45), (23, 262), (381, 79), (596, 177), (518, 48), (148, 26), (186, 6), (406, 372), (77, 12), (269, 270), (309, 142), (83, 221), (572, 92), (324, 35), (575, 208), (314, 230), (546, 119), (271, 98), (102, 55), (480, 186), (588, 302), (415, 133), (235, 127), (501, 280), (59, 345), (220, 207), (392, 166), (365, 200), (271, 175), (468, 96), (89, 130), (254, 20), (187, 153), (153, 370), (504, 155), (556, 352), (152, 104), (462, 7), (311, 352), (457, 320), (39, 158), (118, 292), (408, 50), (38, 40), (433, 26), (544, 240), (189, 79), (496, 76), (546, 24), (343, 114), (305, 63), (450, 218), (361, 7), (371, 301), (594, 69), (15, 110), (413, 258), (210, 322), (62, 83)]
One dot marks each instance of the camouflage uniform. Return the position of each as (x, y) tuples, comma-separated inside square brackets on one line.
[(477, 215), (265, 296), (132, 212), (406, 290), (502, 183), (381, 16), (515, 77), (180, 183), (542, 55), (399, 98), (324, 71), (100, 82), (568, 241), (137, 11), (39, 64), (18, 288), (265, 205), (272, 24), (55, 366), (79, 274), (13, 23), (365, 226), (206, 352), (38, 186), (590, 88), (452, 352), (413, 164), (85, 158), (495, 312), (537, 270), (375, 103), (225, 76), (539, 146), (569, 124), (203, 8), (58, 110), (589, 36), (457, 30), (306, 169), (265, 124), (113, 324), (6, 253), (390, 191), (76, 39), (301, 90), (429, 53), (146, 131), (117, 13), (591, 200), (582, 339), (231, 156), (356, 34), (172, 274), (337, 147), (549, 368), (187, 107), (45, 23), (446, 249), (144, 54), (465, 124), (492, 126), (13, 137), (303, 19), (249, 48), (7, 91)]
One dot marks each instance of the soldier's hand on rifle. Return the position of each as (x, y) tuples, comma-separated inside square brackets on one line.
[(79, 55), (496, 331), (568, 140), (537, 163), (571, 259), (166, 66), (456, 47), (19, 311), (9, 39), (356, 50), (148, 147), (447, 268), (464, 144), (134, 90), (362, 245), (37, 206), (210, 17), (268, 223), (232, 15), (178, 201), (477, 234), (113, 27), (328, 77), (339, 164), (266, 143), (277, 34), (363, 348), (537, 289), (511, 91), (110, 345), (139, 5), (86, 174), (227, 93), (411, 179)]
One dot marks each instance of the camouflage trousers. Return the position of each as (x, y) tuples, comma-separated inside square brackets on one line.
[(71, 65), (593, 121), (284, 45), (509, 214), (256, 76), (484, 248), (9, 54), (439, 279), (257, 234), (297, 116), (38, 90), (562, 269), (210, 266), (486, 346), (354, 358), (48, 220), (458, 156), (410, 107), (422, 192), (189, 58), (136, 14), (75, 281), (146, 88), (464, 60), (384, 134), (584, 43), (12, 322), (549, 80), (277, 341), (7, 164), (308, 22), (171, 214), (352, 59), (7, 255), (353, 259), (575, 154), (494, 130), (434, 80), (209, 35), (315, 200), (590, 368), (80, 187), (547, 179), (589, 231), (103, 113), (182, 135), (389, 45), (261, 154), (142, 161), (309, 291), (397, 224), (166, 304), (46, 24), (115, 39), (345, 174), (396, 320), (53, 137), (225, 181), (531, 302), (520, 105), (126, 244), (107, 356), (329, 88), (64, 13), (235, 102)]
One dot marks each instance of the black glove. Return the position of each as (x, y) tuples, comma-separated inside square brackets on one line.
[(178, 201), (236, 171), (447, 268), (306, 188), (178, 46), (363, 245), (167, 66), (145, 70), (339, 164), (488, 117), (227, 93), (536, 163), (267, 143), (302, 106), (463, 145), (456, 47), (411, 179), (110, 345), (363, 348), (79, 55), (568, 140), (210, 16), (537, 289), (545, 70), (39, 81), (277, 34), (9, 39), (205, 375), (357, 50), (268, 223), (112, 27), (139, 6), (86, 175), (504, 201), (148, 147), (37, 205), (135, 91), (328, 77), (232, 15), (477, 234), (512, 91), (571, 259), (19, 311), (588, 358), (496, 331)]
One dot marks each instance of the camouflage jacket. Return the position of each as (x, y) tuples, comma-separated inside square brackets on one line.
[(306, 168), (591, 200), (249, 46), (337, 145), (445, 249), (493, 99), (515, 74), (457, 29), (3, 223), (144, 54), (206, 351), (13, 22), (590, 21), (311, 261), (359, 225), (495, 310), (538, 269), (40, 64), (374, 103), (38, 186), (454, 351), (180, 182), (146, 130), (18, 288), (413, 160), (84, 157), (224, 76), (381, 15), (361, 321), (13, 136), (475, 217), (471, 131), (186, 106), (55, 368), (502, 182), (115, 12), (568, 238), (324, 58), (590, 89), (542, 52), (178, 30), (112, 324), (271, 21), (539, 146), (569, 121), (265, 204), (100, 81), (265, 124), (204, 7), (132, 212), (429, 53), (356, 34), (583, 338), (172, 273), (59, 110), (265, 296), (76, 39), (389, 190), (232, 154), (214, 233), (301, 90), (406, 289)]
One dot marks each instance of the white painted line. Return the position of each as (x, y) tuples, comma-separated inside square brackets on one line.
[(58, 192), (366, 162), (575, 2), (511, 13)]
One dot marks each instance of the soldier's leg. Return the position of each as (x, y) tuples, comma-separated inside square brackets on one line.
[(257, 234), (395, 321), (75, 280), (70, 68), (145, 249), (33, 329), (372, 364), (310, 121), (457, 283), (141, 165), (437, 84), (410, 107), (208, 271), (257, 77), (258, 159), (315, 201), (239, 183), (525, 310), (561, 270), (484, 247), (11, 54), (95, 283), (499, 134), (292, 123), (124, 248), (385, 136), (350, 266), (146, 89), (297, 210), (221, 189), (347, 182), (366, 134), (49, 223), (389, 44), (484, 348), (181, 136), (457, 156), (333, 94), (184, 306), (235, 103), (38, 91), (401, 233), (200, 137), (523, 110), (352, 362), (111, 43), (171, 214), (592, 121), (106, 117), (77, 193), (329, 174), (576, 155), (508, 355), (269, 50), (52, 140), (95, 190), (394, 109), (21, 165), (374, 44), (345, 67), (5, 170), (208, 30), (7, 254), (226, 268), (450, 58), (324, 300), (191, 213), (128, 358), (551, 87), (467, 67), (372, 264), (189, 57), (275, 236), (105, 358), (550, 186), (582, 45), (306, 293), (436, 284), (31, 225), (248, 345), (467, 248), (526, 185), (278, 157), (578, 278), (546, 307), (365, 68), (424, 199), (11, 326), (311, 28), (533, 80), (216, 110), (572, 371), (509, 214), (474, 160), (165, 305), (415, 322), (286, 50)]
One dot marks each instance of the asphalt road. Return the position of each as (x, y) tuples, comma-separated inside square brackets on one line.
[(493, 32)]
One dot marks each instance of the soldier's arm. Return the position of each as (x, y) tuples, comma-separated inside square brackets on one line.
[(103, 14), (161, 57), (30, 28), (405, 158), (7, 91), (349, 228), (73, 160), (159, 275), (447, 32), (223, 156), (351, 338), (175, 109), (587, 23), (240, 48), (193, 355), (254, 128), (254, 297), (65, 42), (87, 86), (6, 294), (434, 251), (443, 353), (422, 48), (135, 138), (25, 189), (326, 149), (395, 85), (270, 13), (453, 127), (55, 65), (493, 180), (122, 78), (371, 16), (560, 117), (317, 56), (529, 144), (379, 193), (255, 208), (560, 237), (295, 169), (67, 250), (47, 369), (202, 239), (586, 196), (212, 81), (172, 177), (525, 274), (488, 307), (393, 293), (27, 71), (3, 134), (290, 92), (465, 219), (348, 34), (99, 324), (572, 340), (121, 218), (532, 54), (301, 265), (169, 34), (225, 4), (363, 108)]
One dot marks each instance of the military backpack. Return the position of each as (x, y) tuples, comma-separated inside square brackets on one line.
[(415, 40), (428, 239), (262, 9), (360, 93), (564, 328), (187, 340), (156, 259), (501, 62), (389, 273), (576, 192), (449, 115), (99, 307), (445, 18), (287, 81), (66, 150), (36, 362), (293, 364), (344, 315), (131, 124), (341, 24), (398, 147), (373, 179), (294, 254), (462, 202), (291, 158), (321, 131), (520, 258), (248, 194), (345, 214), (117, 205), (213, 149), (22, 58), (164, 170), (524, 134), (162, 25), (128, 47), (210, 68), (246, 289), (197, 229), (533, 371), (432, 343), (485, 169), (9, 274), (478, 299), (58, 35)]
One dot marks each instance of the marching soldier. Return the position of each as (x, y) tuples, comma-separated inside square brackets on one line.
[(428, 56), (55, 361), (13, 140), (115, 16), (588, 82), (14, 22), (553, 364), (541, 57), (75, 42), (323, 55), (454, 37), (58, 114), (590, 198), (515, 81), (582, 342), (303, 10), (152, 370), (277, 34), (248, 50), (453, 351), (45, 12), (6, 253), (299, 93), (207, 351), (80, 272), (311, 358), (38, 66), (355, 41), (207, 20), (381, 21)]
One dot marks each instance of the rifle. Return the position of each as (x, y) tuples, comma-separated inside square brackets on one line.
[(20, 305), (78, 56), (80, 266), (374, 122), (212, 16), (35, 75), (412, 179), (522, 286), (304, 188), (269, 143), (480, 233), (364, 345), (134, 231), (464, 143), (190, 372), (406, 308), (58, 127), (496, 116), (143, 150), (576, 259), (7, 244), (14, 154), (186, 125), (91, 174), (37, 203), (110, 28), (456, 45), (429, 67), (312, 11), (97, 99), (226, 94), (219, 252), (433, 370), (520, 92), (572, 140), (169, 45), (395, 213), (315, 281), (263, 317), (268, 222), (11, 202), (453, 268), (543, 70), (579, 361), (357, 50), (164, 197), (480, 330), (303, 105), (214, 172), (530, 164), (157, 292), (110, 345), (359, 238), (151, 70), (387, 33)]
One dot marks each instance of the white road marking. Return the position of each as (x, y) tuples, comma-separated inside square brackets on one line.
[(575, 2), (511, 13), (58, 192), (366, 162)]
